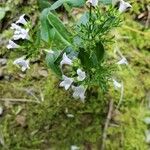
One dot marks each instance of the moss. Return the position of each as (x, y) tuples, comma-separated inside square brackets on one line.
[(46, 123)]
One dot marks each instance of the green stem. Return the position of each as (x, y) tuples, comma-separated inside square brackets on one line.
[(90, 21)]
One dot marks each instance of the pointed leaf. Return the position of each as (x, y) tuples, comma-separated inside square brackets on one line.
[(59, 27), (51, 62)]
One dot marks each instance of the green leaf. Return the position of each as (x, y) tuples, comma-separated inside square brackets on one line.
[(43, 4), (106, 2), (47, 32), (86, 61), (51, 62), (3, 12), (72, 3), (84, 19), (95, 59), (100, 51), (57, 4), (75, 3), (60, 29)]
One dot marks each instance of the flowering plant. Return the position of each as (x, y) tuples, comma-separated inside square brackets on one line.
[(77, 53)]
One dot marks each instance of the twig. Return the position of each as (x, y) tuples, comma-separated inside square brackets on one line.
[(148, 18), (121, 96), (134, 30), (104, 136), (18, 100)]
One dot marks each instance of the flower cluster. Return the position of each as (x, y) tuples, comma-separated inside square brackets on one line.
[(123, 6), (80, 75), (81, 64), (19, 33)]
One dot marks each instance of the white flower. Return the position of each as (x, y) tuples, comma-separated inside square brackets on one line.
[(117, 85), (22, 20), (12, 45), (66, 83), (81, 75), (123, 61), (124, 6), (92, 2), (74, 147), (21, 34), (21, 62), (66, 60), (79, 92), (15, 27), (70, 115)]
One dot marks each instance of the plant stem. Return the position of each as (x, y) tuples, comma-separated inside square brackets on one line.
[(109, 116), (90, 21)]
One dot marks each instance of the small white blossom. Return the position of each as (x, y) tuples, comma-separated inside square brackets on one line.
[(15, 27), (70, 115), (65, 60), (21, 34), (22, 20), (21, 62), (12, 45), (92, 2), (124, 6), (117, 85), (123, 61), (81, 75), (79, 92), (74, 147), (66, 83)]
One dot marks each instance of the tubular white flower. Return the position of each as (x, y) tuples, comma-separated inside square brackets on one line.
[(21, 34), (15, 27), (22, 20), (65, 60), (21, 62), (124, 6), (81, 75), (12, 45), (79, 92), (92, 2), (117, 85), (66, 83), (123, 61)]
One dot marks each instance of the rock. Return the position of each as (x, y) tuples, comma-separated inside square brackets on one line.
[(21, 120), (43, 73)]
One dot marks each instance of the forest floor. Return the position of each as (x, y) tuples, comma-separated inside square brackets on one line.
[(39, 115)]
